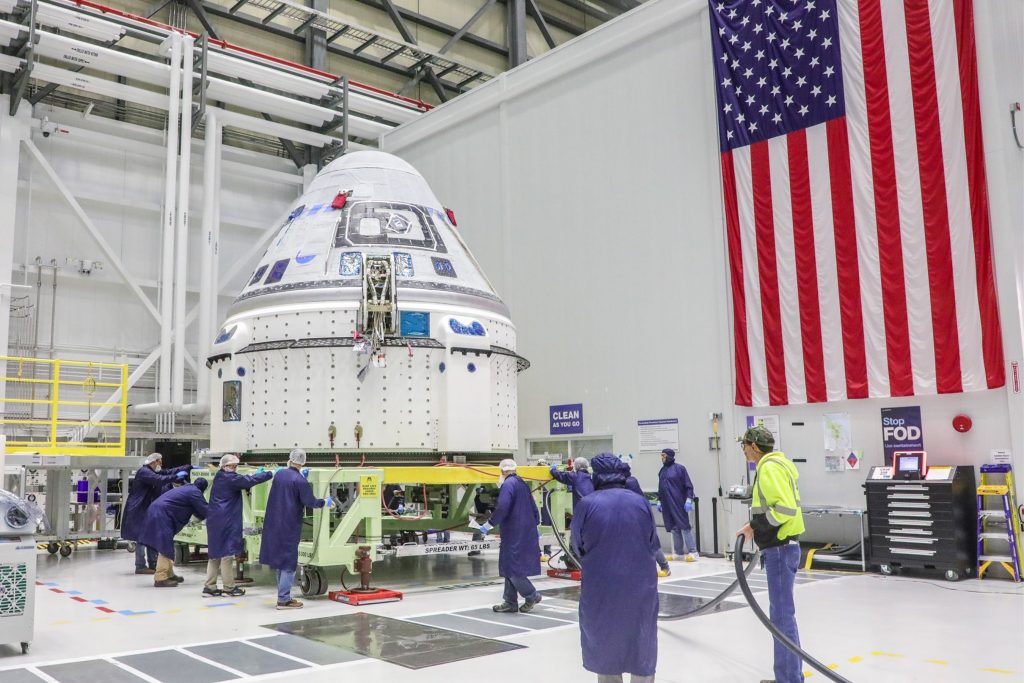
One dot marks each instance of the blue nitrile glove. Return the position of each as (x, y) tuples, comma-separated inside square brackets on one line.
[(329, 502), (658, 506), (181, 476), (484, 528), (261, 469), (400, 509), (688, 505), (305, 472), (279, 469), (553, 470)]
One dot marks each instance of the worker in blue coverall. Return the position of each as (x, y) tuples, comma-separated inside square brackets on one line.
[(224, 525), (632, 484), (578, 480), (776, 522), (519, 555), (614, 537), (675, 496), (165, 519), (290, 495), (149, 482)]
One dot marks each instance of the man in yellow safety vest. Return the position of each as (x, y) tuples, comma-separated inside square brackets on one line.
[(776, 523)]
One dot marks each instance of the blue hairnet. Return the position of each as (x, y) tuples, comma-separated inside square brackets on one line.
[(671, 455), (608, 470)]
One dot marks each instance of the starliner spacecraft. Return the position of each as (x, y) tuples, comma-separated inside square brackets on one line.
[(367, 328)]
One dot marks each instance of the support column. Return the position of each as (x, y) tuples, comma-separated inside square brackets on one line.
[(13, 129), (516, 33), (208, 291), (316, 40)]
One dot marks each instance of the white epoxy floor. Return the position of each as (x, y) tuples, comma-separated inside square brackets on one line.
[(875, 629)]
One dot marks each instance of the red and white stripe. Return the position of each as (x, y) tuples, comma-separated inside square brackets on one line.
[(860, 249)]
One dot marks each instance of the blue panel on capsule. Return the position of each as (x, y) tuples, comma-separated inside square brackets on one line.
[(225, 334), (277, 272), (351, 264), (414, 324), (443, 267), (403, 264), (258, 275)]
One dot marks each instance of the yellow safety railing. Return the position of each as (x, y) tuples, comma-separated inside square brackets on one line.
[(49, 406)]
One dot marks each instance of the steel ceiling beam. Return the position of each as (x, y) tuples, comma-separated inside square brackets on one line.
[(223, 13), (531, 8), (516, 33), (458, 35)]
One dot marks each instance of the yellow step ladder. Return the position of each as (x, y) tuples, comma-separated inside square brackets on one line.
[(998, 524)]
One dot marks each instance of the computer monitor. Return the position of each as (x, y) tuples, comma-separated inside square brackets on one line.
[(910, 465)]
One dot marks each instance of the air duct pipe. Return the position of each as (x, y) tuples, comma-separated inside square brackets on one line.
[(181, 224), (208, 283), (167, 267)]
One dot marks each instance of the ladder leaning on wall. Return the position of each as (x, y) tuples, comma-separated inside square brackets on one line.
[(998, 524)]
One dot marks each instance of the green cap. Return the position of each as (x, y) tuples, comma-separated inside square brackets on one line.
[(760, 437)]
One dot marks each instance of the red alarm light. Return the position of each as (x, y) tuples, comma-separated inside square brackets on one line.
[(451, 216), (962, 423), (339, 201)]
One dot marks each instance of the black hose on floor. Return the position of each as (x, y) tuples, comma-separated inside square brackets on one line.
[(741, 577), (710, 606), (703, 609)]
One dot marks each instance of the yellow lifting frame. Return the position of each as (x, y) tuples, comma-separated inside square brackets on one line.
[(52, 444), (459, 474)]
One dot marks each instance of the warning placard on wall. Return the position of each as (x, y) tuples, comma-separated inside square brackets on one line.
[(656, 435), (369, 487)]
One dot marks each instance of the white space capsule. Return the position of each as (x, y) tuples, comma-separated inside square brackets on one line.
[(367, 326)]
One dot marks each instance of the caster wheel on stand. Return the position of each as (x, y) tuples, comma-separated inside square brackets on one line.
[(313, 582), (24, 648), (952, 575), (52, 547), (66, 550)]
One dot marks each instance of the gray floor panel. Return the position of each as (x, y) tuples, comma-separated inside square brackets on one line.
[(309, 650), (484, 629), (557, 612), (404, 643), (170, 666), (89, 671), (241, 656), (19, 676), (684, 590), (528, 621), (564, 593), (676, 605)]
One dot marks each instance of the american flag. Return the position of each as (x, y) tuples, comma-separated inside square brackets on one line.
[(855, 199)]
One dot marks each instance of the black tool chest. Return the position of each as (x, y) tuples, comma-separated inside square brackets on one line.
[(924, 524)]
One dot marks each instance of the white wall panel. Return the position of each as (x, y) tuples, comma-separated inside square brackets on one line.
[(587, 184), (121, 191)]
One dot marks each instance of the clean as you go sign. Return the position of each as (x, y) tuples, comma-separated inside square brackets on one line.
[(566, 419)]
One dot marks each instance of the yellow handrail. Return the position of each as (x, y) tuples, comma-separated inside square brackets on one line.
[(72, 385)]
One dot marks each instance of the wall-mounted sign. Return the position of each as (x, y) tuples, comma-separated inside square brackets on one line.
[(901, 430), (769, 422), (657, 435), (566, 419)]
